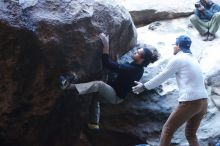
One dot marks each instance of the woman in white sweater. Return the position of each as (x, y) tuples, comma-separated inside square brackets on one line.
[(192, 93)]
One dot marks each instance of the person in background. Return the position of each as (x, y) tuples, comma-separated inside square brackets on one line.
[(115, 90), (206, 19), (192, 92)]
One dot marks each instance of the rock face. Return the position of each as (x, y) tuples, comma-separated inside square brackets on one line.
[(39, 43), (148, 16), (171, 5), (144, 12), (214, 81)]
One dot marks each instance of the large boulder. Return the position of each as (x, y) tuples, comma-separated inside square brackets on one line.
[(37, 44)]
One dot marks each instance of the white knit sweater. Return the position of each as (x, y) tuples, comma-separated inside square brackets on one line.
[(188, 75)]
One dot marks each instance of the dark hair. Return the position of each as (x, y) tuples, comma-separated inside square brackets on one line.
[(149, 56), (202, 2)]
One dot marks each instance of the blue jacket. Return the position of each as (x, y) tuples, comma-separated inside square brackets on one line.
[(126, 75), (210, 9)]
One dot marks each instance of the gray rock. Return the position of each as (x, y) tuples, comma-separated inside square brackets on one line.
[(154, 25), (171, 5), (214, 83), (214, 79), (27, 3), (148, 16), (216, 100), (144, 12)]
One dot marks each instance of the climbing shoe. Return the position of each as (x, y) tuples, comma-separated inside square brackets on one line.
[(63, 82), (93, 129), (93, 126), (66, 79)]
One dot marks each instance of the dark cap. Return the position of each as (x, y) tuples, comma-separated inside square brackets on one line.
[(184, 43)]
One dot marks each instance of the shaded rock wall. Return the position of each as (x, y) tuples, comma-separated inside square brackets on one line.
[(144, 17), (144, 12), (39, 43)]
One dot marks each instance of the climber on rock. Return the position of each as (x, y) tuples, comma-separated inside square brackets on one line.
[(115, 90)]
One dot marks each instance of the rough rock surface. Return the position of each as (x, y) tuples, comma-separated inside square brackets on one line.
[(39, 43), (148, 16)]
